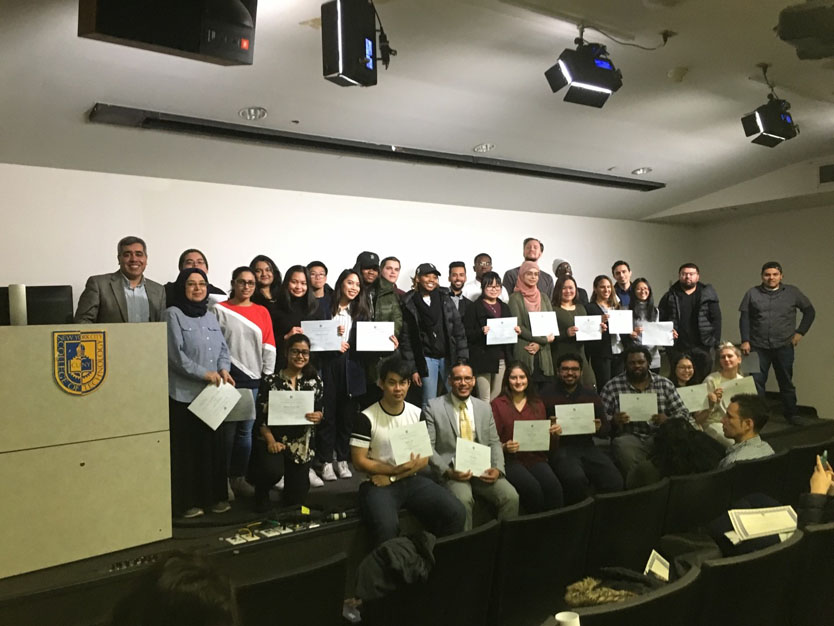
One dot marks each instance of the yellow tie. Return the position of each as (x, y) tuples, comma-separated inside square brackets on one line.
[(465, 427)]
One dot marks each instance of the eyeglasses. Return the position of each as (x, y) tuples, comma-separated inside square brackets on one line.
[(245, 283), (570, 369), (297, 352), (484, 264)]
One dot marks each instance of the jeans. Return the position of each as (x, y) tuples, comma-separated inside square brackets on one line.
[(436, 508), (580, 466), (437, 373), (782, 361), (238, 438), (538, 487)]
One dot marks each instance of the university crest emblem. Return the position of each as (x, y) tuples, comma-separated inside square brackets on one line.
[(80, 360)]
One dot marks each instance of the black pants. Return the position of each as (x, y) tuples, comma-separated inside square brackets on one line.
[(333, 432), (198, 461), (268, 469)]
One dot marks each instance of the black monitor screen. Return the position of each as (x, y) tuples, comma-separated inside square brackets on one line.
[(44, 305)]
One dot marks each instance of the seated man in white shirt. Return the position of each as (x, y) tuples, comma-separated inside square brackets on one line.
[(746, 415), (392, 486)]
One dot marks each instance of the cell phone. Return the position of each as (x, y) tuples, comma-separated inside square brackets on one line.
[(824, 459)]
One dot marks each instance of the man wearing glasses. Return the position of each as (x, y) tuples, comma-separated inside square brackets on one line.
[(472, 289)]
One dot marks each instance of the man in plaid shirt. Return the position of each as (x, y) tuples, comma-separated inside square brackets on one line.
[(632, 441)]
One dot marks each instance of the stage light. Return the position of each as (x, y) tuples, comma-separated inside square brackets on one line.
[(587, 72), (771, 123)]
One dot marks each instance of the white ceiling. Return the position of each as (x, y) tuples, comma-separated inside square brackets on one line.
[(468, 71)]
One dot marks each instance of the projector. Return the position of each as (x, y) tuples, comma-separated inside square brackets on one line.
[(588, 73), (771, 123), (809, 28), (215, 31), (348, 42)]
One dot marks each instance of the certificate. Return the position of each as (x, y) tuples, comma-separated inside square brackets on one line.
[(640, 407), (472, 457), (323, 334), (543, 323), (501, 330), (733, 387), (658, 566), (694, 397), (589, 327), (752, 523), (244, 410), (620, 322), (576, 419), (532, 435), (658, 334), (750, 364), (215, 403), (410, 439), (374, 336), (288, 408)]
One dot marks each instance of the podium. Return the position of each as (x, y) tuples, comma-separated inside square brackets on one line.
[(82, 474)]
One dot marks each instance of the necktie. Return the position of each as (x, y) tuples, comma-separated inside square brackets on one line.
[(465, 426)]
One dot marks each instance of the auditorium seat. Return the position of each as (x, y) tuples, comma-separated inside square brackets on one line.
[(753, 589), (801, 460), (309, 595), (538, 556), (627, 526), (674, 604), (765, 475), (457, 591), (813, 602), (696, 499)]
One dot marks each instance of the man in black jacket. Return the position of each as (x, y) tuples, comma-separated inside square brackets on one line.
[(693, 308), (432, 335)]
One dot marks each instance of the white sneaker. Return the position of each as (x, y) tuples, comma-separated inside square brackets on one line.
[(241, 487), (315, 481), (230, 494), (342, 470), (327, 472), (279, 485)]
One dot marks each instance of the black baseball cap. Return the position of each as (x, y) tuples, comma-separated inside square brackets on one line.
[(367, 260), (427, 268)]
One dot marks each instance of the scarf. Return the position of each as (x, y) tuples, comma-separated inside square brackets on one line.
[(532, 295), (189, 307)]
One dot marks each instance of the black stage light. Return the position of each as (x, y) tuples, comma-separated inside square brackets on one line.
[(588, 73), (348, 38), (771, 123)]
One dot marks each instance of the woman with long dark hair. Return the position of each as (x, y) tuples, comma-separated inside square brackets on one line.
[(488, 361), (247, 328), (295, 303), (344, 378), (606, 354), (641, 303), (529, 472), (286, 452), (567, 306)]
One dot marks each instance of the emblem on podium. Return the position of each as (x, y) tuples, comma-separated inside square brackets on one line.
[(79, 360)]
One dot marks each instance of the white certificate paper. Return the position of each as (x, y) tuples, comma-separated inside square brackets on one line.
[(658, 334), (410, 439), (472, 457), (543, 323), (323, 334), (374, 336), (244, 410), (576, 419), (589, 329), (658, 566), (752, 523), (288, 408), (215, 403), (501, 330), (733, 387), (532, 435), (694, 397), (640, 407), (620, 322)]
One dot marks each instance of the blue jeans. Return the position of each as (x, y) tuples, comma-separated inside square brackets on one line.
[(437, 373), (436, 508), (238, 438), (578, 467), (782, 361)]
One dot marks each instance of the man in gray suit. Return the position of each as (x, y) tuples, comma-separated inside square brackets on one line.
[(458, 414), (123, 296)]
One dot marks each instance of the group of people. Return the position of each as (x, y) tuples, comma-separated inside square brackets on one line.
[(441, 369)]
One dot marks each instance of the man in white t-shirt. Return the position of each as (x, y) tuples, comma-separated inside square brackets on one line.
[(391, 486)]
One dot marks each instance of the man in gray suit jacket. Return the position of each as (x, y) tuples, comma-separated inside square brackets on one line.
[(123, 296), (458, 414)]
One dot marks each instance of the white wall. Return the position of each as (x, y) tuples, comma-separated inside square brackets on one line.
[(61, 226), (731, 255)]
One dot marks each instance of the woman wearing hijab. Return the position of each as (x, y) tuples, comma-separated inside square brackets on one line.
[(197, 354), (534, 352)]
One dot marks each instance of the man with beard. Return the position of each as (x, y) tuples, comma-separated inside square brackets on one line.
[(632, 439), (533, 249), (457, 278)]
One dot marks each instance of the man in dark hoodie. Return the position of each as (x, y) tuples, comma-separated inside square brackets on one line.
[(693, 308), (432, 335)]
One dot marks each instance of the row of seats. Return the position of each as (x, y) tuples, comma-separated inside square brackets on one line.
[(515, 573)]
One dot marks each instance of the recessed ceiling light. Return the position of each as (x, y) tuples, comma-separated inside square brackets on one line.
[(641, 170), (252, 114), (484, 147)]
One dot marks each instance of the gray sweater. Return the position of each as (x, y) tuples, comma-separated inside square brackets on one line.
[(768, 317)]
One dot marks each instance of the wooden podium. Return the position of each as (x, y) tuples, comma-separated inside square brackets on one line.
[(82, 475)]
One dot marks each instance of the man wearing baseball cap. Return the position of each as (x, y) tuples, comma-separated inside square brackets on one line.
[(433, 334)]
